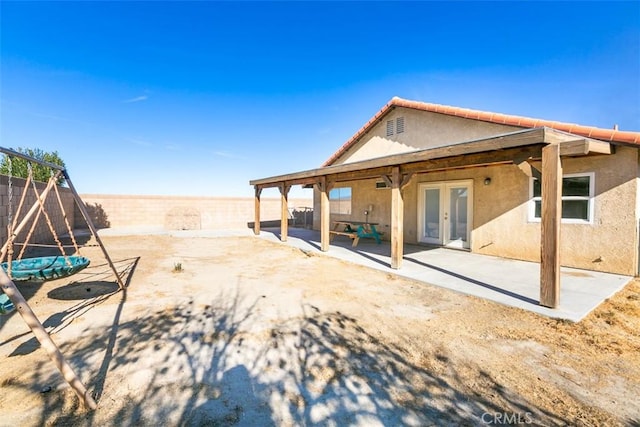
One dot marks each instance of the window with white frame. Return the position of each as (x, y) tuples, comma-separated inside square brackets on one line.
[(340, 201), (577, 198)]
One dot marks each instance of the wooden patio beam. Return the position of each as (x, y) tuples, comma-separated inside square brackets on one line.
[(501, 142), (502, 156), (550, 227), (584, 147), (474, 160)]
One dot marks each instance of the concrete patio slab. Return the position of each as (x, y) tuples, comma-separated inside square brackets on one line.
[(510, 282)]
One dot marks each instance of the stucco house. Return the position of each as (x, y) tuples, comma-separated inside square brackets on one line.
[(515, 187)]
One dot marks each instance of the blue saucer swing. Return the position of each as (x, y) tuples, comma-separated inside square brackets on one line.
[(45, 268), (39, 269)]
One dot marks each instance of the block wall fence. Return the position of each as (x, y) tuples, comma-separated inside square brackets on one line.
[(185, 213), (41, 232), (146, 212)]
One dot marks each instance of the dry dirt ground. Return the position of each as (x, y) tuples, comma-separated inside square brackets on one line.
[(258, 333)]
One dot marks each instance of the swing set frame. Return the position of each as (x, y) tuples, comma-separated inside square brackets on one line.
[(9, 287)]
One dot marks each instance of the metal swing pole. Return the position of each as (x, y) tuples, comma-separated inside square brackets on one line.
[(94, 231)]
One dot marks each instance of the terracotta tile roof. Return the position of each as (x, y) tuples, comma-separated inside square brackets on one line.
[(610, 135)]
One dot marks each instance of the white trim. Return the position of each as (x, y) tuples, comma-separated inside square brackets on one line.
[(531, 208)]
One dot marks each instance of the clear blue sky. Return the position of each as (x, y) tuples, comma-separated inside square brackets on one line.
[(196, 98)]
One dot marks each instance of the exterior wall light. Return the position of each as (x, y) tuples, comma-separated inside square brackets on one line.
[(487, 181)]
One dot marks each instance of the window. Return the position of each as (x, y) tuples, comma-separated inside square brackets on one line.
[(389, 127), (340, 201), (577, 198)]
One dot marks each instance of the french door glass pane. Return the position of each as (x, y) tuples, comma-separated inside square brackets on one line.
[(458, 199), (432, 213)]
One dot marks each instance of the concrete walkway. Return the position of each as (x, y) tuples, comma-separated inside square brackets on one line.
[(509, 282)]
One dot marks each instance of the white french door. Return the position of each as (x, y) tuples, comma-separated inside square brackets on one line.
[(445, 213)]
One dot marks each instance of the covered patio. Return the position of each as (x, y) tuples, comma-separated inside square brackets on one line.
[(506, 281), (537, 152)]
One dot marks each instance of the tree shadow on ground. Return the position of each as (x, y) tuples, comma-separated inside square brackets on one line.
[(176, 364), (334, 371), (90, 290), (190, 363), (94, 292)]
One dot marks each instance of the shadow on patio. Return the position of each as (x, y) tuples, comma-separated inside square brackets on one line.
[(506, 281)]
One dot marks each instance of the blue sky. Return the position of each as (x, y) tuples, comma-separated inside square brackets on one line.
[(196, 98)]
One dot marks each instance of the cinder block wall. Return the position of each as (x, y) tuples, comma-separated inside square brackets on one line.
[(181, 213), (41, 233)]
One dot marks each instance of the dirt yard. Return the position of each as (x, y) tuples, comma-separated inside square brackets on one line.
[(250, 332)]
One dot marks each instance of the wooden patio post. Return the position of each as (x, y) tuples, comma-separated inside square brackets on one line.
[(256, 224), (9, 288), (284, 204), (550, 227), (397, 219), (325, 214)]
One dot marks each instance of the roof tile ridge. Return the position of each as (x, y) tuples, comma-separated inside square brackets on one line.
[(491, 117)]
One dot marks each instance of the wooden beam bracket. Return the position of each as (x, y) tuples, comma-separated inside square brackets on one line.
[(284, 188), (406, 179)]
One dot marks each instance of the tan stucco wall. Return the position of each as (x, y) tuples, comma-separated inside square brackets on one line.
[(610, 244), (423, 129), (500, 214), (187, 213)]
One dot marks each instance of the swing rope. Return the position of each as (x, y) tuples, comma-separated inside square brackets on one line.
[(37, 268), (10, 235), (66, 220), (31, 230), (48, 220), (33, 225)]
